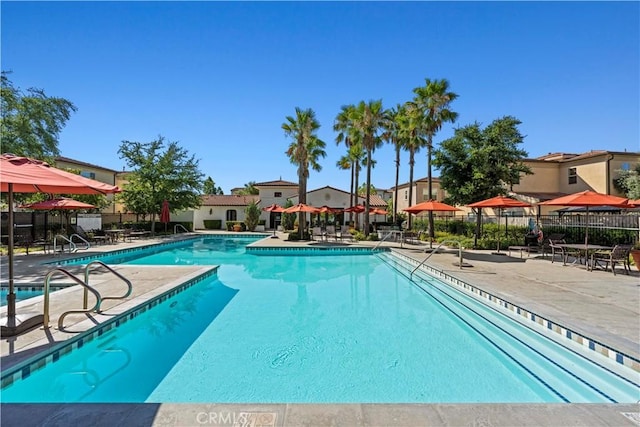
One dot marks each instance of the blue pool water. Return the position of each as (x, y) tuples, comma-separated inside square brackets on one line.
[(20, 295), (329, 328)]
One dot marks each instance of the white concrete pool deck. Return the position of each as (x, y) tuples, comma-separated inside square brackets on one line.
[(597, 304)]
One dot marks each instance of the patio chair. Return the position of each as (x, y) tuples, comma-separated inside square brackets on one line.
[(317, 234), (618, 255), (554, 247), (93, 237), (545, 246), (331, 232), (344, 233)]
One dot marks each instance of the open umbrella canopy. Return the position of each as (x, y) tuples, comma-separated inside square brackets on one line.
[(25, 175), (61, 203), (377, 211), (356, 209), (430, 205), (499, 202), (588, 199), (327, 209), (301, 207), (273, 208)]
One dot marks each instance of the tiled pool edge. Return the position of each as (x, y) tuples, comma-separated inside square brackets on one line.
[(25, 368), (527, 316)]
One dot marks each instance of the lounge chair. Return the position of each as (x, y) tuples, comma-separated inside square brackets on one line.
[(618, 255), (317, 234), (331, 232), (344, 233), (94, 237)]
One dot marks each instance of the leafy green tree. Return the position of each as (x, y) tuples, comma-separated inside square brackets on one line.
[(305, 151), (31, 121), (288, 220), (249, 189), (252, 215), (477, 164), (628, 182), (160, 171), (433, 100), (209, 187)]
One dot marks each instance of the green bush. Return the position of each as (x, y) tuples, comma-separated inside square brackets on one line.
[(230, 225), (213, 224), (294, 236), (252, 216)]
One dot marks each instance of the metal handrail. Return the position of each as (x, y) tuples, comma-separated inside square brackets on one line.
[(120, 276), (47, 280), (435, 250), (72, 246), (389, 233), (82, 239), (175, 228)]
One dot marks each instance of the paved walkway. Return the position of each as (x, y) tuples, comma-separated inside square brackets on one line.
[(597, 304)]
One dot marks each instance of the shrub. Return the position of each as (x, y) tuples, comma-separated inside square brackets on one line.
[(213, 224), (295, 236), (252, 212)]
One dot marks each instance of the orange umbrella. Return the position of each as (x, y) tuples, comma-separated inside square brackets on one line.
[(60, 203), (635, 203), (300, 207), (500, 202), (356, 209), (586, 199), (24, 175), (430, 205), (377, 211), (273, 208), (327, 209)]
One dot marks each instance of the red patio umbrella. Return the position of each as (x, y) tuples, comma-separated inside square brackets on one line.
[(356, 209), (432, 206), (586, 199), (62, 204), (500, 202), (25, 175), (273, 208), (165, 214), (301, 208)]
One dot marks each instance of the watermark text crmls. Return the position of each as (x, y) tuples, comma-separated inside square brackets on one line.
[(237, 419)]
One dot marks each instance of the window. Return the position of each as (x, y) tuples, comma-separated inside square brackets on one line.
[(87, 174), (232, 215), (277, 194), (573, 176), (406, 194)]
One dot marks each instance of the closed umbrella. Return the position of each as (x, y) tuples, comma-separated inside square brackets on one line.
[(588, 199), (500, 202), (25, 175), (165, 214), (276, 209)]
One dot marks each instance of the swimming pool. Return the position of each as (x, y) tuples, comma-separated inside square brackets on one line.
[(23, 293), (333, 328)]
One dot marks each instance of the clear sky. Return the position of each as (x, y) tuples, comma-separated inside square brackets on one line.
[(220, 77)]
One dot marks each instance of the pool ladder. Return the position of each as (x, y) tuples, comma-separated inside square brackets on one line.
[(179, 226), (72, 245), (460, 262), (87, 289)]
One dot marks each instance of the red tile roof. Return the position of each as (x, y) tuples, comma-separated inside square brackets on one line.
[(276, 183)]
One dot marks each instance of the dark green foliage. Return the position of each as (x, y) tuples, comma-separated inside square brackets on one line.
[(30, 121), (252, 215), (295, 236), (209, 187), (288, 220), (213, 224)]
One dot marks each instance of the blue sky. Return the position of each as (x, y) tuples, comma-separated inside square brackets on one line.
[(221, 77)]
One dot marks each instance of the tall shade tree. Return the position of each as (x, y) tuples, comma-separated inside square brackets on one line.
[(31, 121), (209, 187), (477, 164), (304, 152), (390, 134), (160, 171), (368, 119), (434, 100), (409, 120)]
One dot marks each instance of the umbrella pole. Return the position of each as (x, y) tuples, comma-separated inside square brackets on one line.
[(11, 296)]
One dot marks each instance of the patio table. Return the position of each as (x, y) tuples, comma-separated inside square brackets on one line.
[(581, 247)]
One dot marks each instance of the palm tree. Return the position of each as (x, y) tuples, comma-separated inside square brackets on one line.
[(390, 135), (433, 100), (249, 189), (368, 119), (304, 151), (409, 121), (343, 126)]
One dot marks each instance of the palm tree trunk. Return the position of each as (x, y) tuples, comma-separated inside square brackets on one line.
[(430, 180), (356, 222), (411, 162), (352, 191), (395, 201), (368, 194)]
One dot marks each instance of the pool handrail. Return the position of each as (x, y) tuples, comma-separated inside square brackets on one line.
[(120, 276), (435, 250), (175, 228), (72, 246), (82, 239), (389, 233), (47, 280)]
